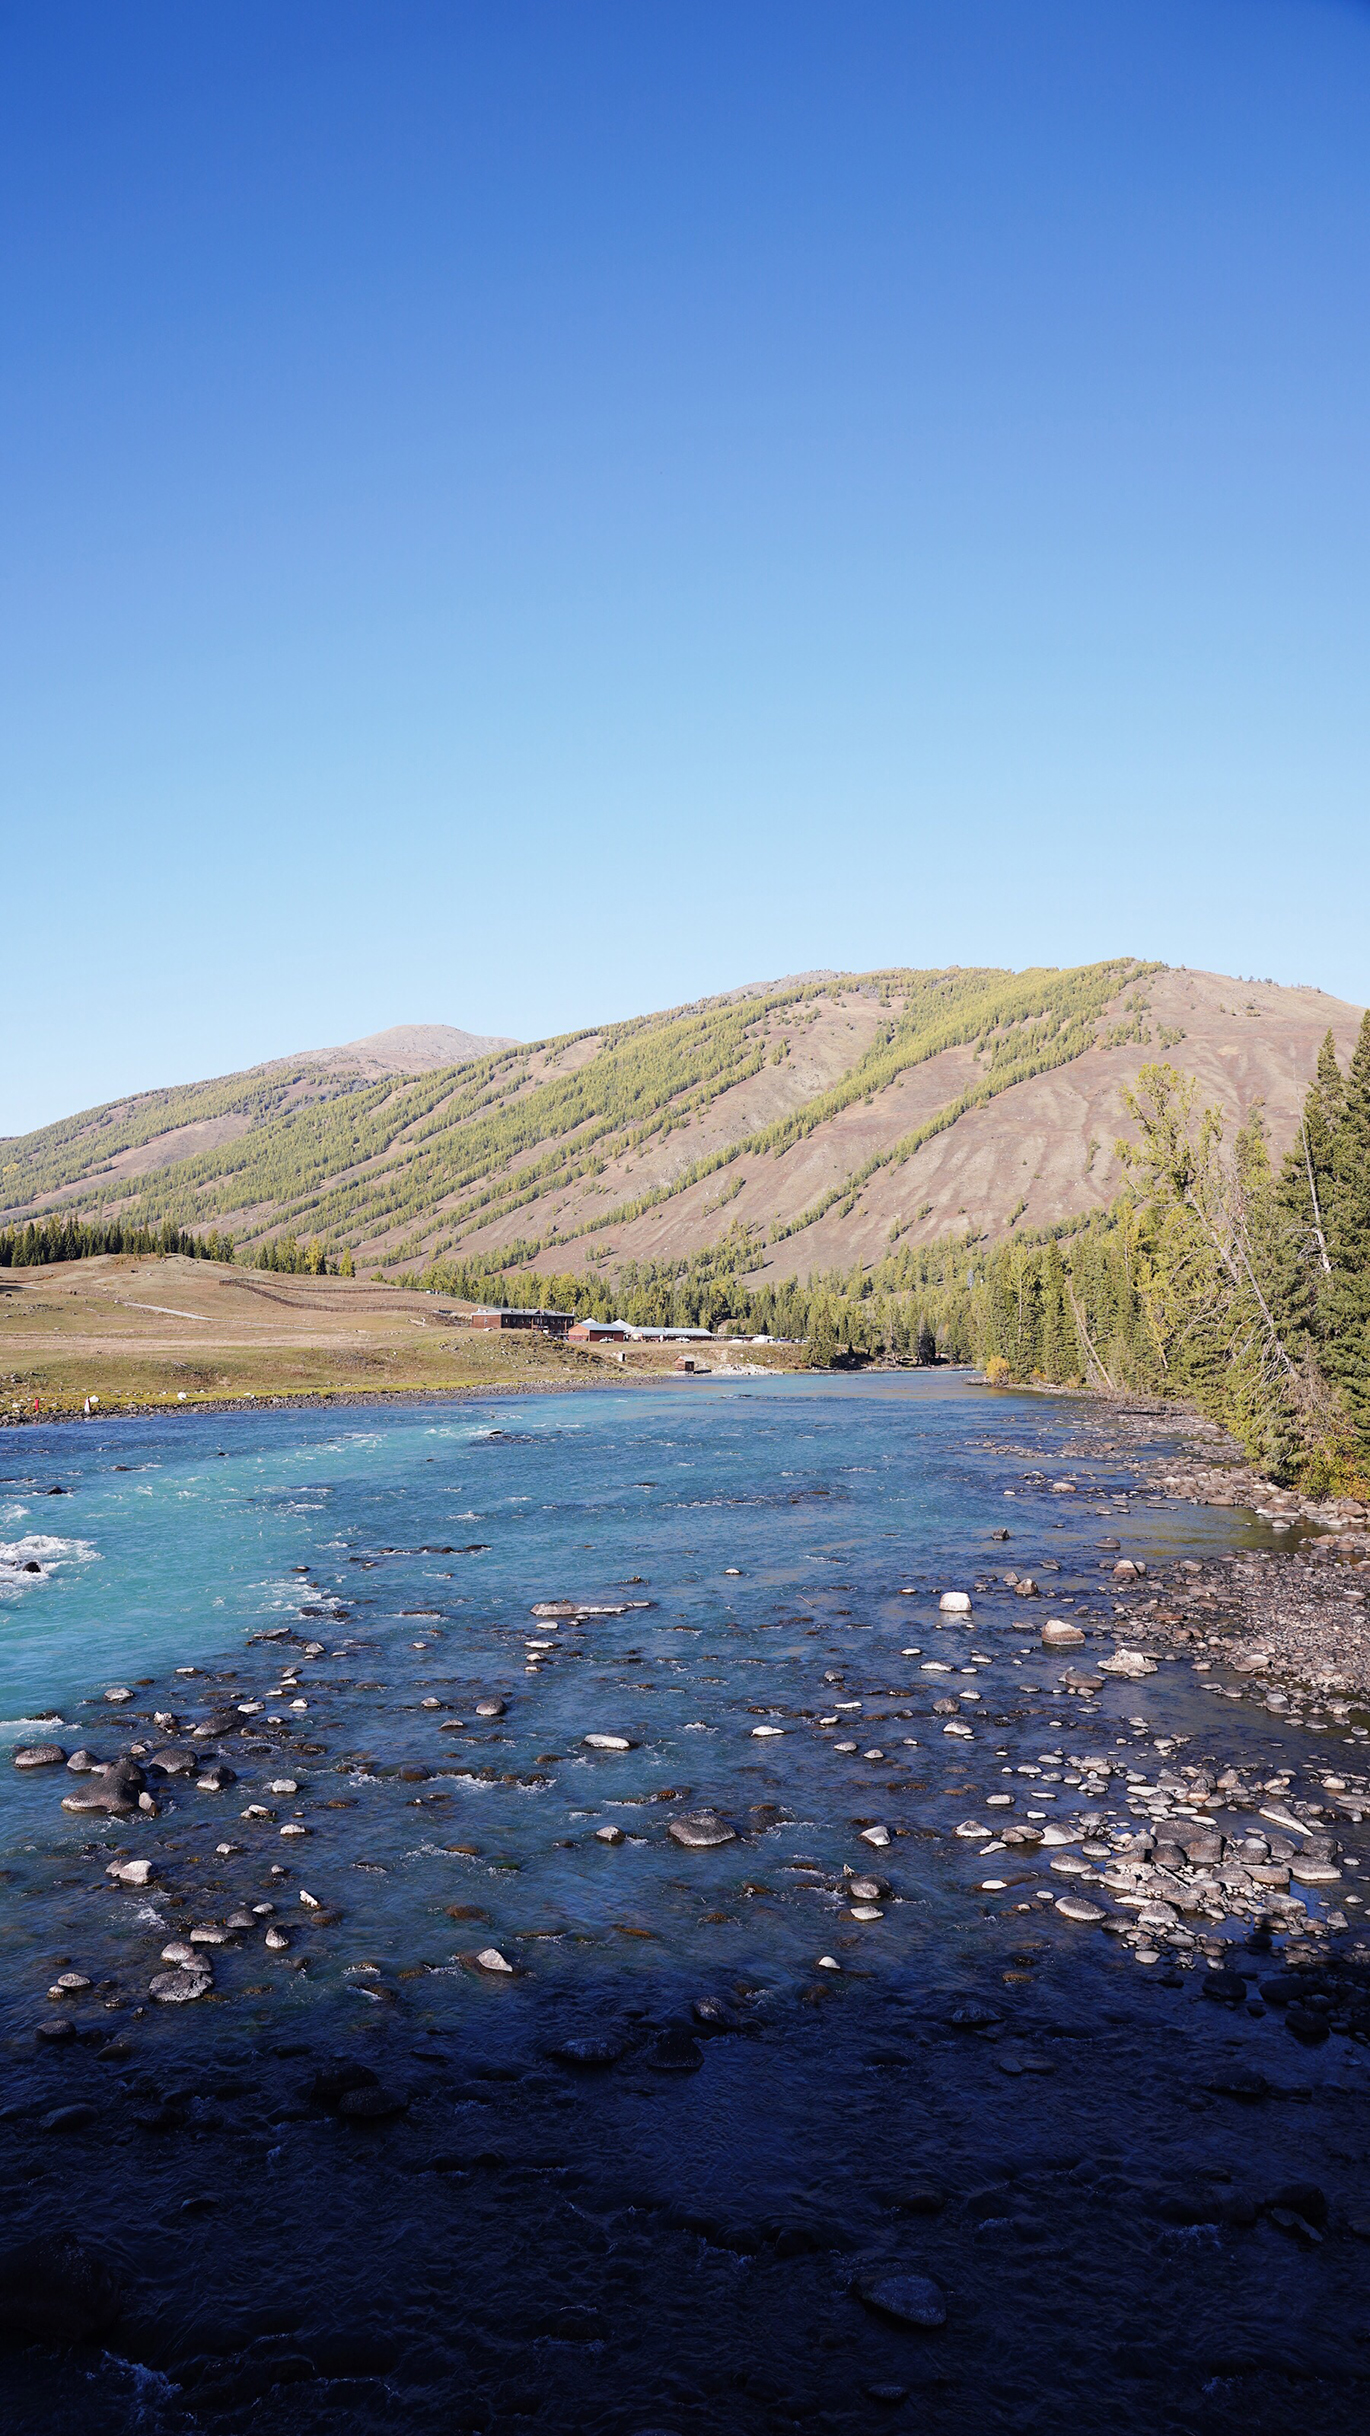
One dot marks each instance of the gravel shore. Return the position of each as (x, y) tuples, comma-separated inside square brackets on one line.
[(1295, 1612)]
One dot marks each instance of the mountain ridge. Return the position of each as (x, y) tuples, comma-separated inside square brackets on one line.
[(403, 1048), (818, 1118)]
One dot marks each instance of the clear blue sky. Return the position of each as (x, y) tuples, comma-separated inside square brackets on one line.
[(520, 513)]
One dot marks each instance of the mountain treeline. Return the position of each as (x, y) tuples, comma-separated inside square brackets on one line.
[(57, 1239)]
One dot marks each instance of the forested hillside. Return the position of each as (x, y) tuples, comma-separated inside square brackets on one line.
[(811, 1124), (1217, 1276)]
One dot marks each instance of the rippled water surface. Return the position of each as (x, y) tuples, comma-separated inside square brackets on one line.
[(776, 1550), (766, 1539)]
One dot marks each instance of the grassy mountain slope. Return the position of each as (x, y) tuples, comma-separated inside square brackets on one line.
[(825, 1114)]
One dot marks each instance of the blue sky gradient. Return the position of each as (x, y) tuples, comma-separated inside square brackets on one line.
[(517, 515)]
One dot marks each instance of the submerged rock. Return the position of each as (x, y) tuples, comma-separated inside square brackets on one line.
[(713, 2014), (1239, 2081), (1225, 1987), (911, 2300), (370, 2105), (68, 2118), (974, 2014), (53, 2290), (590, 2054), (333, 2082), (920, 2198), (676, 2051)]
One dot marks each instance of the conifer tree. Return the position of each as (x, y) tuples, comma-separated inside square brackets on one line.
[(1330, 1081), (1306, 1193), (1062, 1358), (1344, 1304)]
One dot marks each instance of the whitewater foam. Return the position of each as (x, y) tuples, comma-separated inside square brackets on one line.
[(42, 1549)]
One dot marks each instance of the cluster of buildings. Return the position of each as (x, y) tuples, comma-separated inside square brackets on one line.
[(619, 1332), (507, 1315), (565, 1325)]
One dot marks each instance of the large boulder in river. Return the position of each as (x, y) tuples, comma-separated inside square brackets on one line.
[(172, 1759), (54, 2291), (1058, 1633), (700, 1830), (182, 1985), (39, 1755), (131, 1873), (113, 1790)]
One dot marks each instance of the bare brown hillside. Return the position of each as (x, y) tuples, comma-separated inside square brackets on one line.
[(825, 1115), (1042, 1151)]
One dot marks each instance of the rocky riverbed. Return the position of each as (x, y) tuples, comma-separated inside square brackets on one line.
[(385, 2037)]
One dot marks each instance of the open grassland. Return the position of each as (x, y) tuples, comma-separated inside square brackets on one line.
[(141, 1333)]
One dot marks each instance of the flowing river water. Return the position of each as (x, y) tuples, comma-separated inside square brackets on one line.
[(663, 2135)]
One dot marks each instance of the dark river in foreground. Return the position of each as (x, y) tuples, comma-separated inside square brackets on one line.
[(663, 2135)]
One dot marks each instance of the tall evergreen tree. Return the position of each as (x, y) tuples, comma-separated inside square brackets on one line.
[(1344, 1304), (1330, 1081)]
